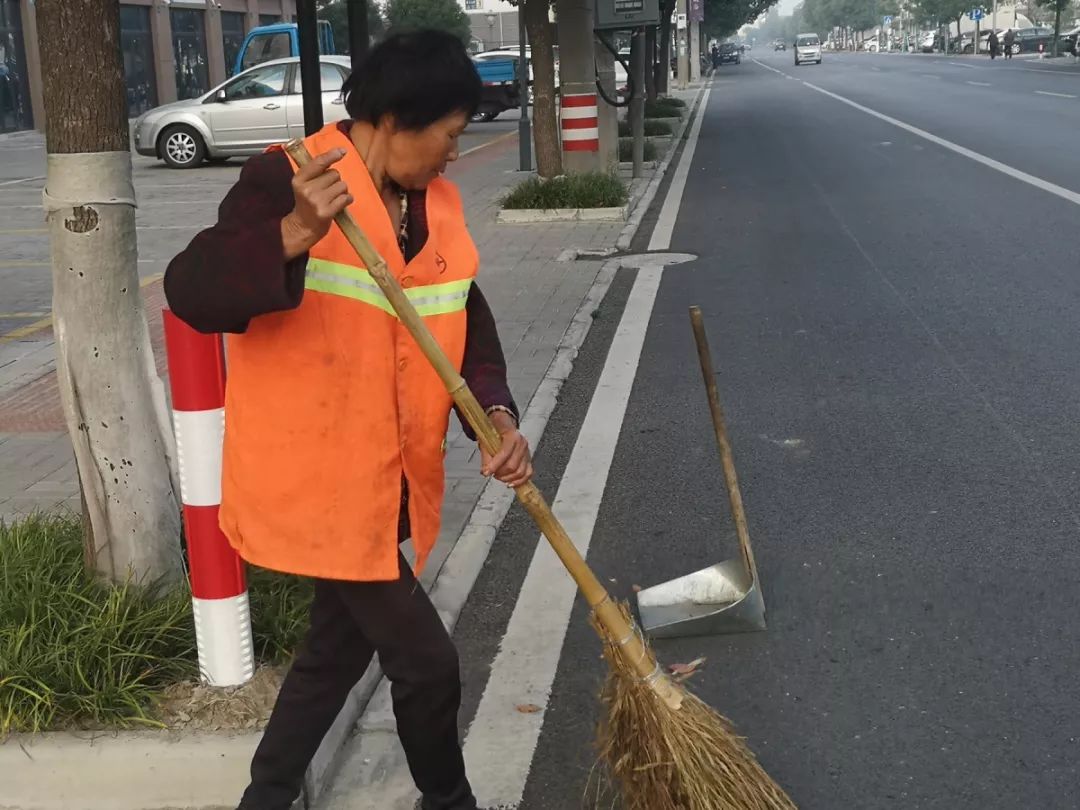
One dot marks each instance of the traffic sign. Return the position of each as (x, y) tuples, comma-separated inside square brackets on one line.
[(888, 19), (976, 14)]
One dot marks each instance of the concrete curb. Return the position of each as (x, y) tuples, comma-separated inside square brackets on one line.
[(525, 216), (157, 769), (632, 225)]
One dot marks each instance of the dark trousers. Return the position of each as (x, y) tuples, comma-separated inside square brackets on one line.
[(349, 622)]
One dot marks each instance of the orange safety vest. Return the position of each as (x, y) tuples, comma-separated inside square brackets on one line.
[(329, 404)]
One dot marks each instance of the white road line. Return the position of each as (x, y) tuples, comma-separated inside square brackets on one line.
[(1016, 174), (21, 180), (929, 75), (961, 64), (1067, 74), (759, 63), (978, 84), (665, 224), (501, 741), (1055, 95)]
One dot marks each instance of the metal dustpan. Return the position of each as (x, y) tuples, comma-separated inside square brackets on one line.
[(723, 598)]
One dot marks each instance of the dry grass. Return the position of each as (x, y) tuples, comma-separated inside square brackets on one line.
[(194, 706), (685, 759)]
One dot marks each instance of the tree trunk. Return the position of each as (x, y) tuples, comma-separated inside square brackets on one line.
[(1057, 26), (545, 118), (663, 68), (113, 399)]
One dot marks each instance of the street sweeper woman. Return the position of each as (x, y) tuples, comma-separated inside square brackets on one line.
[(335, 422)]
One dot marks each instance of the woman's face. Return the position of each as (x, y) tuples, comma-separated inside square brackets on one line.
[(416, 157)]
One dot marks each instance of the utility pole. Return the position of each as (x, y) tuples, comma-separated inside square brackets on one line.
[(524, 128), (607, 115), (310, 81), (682, 22), (637, 101), (577, 76), (359, 36), (694, 35)]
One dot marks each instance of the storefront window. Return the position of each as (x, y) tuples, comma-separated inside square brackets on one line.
[(269, 19), (14, 87), (232, 34), (189, 52), (138, 50)]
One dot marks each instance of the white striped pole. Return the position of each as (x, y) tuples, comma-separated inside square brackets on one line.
[(580, 123), (218, 591)]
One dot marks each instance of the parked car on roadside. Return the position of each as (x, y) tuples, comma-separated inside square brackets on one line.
[(729, 52), (242, 116), (1028, 40), (1067, 41)]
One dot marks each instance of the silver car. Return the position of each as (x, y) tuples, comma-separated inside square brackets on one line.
[(251, 111)]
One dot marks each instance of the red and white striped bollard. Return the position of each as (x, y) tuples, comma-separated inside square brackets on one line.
[(218, 591), (580, 123)]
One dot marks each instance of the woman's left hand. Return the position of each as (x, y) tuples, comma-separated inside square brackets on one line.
[(513, 463)]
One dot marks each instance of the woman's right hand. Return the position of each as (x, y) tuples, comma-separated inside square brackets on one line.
[(320, 195)]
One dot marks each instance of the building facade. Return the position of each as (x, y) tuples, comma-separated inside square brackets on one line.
[(172, 49), (494, 24)]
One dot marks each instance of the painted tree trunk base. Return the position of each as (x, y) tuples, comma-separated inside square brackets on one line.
[(114, 402)]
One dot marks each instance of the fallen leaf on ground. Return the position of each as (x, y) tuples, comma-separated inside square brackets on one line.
[(528, 708), (637, 588), (684, 671)]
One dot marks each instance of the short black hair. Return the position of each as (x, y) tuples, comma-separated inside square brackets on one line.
[(418, 77)]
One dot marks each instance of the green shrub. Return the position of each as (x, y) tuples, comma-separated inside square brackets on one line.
[(626, 153), (78, 652), (586, 190), (652, 128), (665, 108)]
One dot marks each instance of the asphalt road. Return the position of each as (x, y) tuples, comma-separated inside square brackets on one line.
[(896, 328), (173, 206)]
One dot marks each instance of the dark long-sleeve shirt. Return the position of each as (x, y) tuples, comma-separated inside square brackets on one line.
[(236, 270)]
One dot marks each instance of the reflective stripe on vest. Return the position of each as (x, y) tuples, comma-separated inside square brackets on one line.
[(357, 283)]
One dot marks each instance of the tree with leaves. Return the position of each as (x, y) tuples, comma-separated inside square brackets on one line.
[(336, 12), (1057, 6), (724, 17), (113, 400), (446, 15)]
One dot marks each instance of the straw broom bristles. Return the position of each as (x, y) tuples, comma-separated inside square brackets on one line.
[(667, 759)]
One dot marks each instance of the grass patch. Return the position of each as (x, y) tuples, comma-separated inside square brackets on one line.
[(652, 128), (78, 653), (587, 190), (654, 110), (665, 108), (626, 147)]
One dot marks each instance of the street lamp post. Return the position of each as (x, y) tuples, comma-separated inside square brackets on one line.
[(491, 30), (524, 128)]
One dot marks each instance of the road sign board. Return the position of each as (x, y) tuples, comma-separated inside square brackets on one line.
[(976, 14), (888, 19)]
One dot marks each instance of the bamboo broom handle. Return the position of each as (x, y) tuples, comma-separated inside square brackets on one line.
[(605, 609), (727, 458)]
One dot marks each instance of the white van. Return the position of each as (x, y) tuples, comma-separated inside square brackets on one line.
[(807, 49)]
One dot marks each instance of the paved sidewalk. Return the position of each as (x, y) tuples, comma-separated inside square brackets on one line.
[(533, 298)]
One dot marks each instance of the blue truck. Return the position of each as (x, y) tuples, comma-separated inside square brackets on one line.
[(499, 76), (501, 91), (277, 42)]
